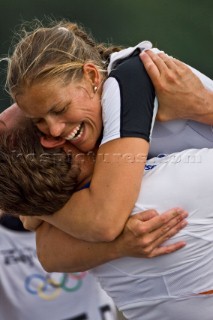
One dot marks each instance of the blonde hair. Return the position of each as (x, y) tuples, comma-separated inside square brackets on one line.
[(58, 50)]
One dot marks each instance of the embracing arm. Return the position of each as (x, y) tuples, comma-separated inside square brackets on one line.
[(142, 237), (181, 94), (99, 213)]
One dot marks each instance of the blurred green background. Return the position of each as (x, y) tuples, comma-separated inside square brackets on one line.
[(182, 28)]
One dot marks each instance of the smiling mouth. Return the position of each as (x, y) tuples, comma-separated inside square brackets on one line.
[(76, 133)]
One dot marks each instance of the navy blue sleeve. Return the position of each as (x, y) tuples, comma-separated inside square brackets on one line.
[(137, 97)]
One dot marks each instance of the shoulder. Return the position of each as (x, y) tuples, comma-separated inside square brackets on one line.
[(131, 69)]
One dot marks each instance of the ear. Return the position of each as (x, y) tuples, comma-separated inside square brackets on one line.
[(92, 74), (13, 117), (51, 142)]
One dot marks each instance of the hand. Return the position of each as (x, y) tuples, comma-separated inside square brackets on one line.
[(30, 223), (181, 94), (145, 232)]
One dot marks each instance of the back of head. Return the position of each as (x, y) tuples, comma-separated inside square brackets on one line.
[(33, 180), (57, 51)]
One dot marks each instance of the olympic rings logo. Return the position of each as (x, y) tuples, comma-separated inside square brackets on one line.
[(50, 286)]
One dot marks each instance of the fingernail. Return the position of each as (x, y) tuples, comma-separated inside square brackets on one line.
[(178, 212), (184, 223), (185, 215)]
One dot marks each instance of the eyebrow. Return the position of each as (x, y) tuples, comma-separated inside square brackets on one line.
[(52, 109)]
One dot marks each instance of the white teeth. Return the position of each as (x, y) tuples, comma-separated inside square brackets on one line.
[(73, 136)]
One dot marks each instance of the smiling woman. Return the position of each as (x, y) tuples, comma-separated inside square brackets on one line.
[(71, 85), (61, 86), (69, 111)]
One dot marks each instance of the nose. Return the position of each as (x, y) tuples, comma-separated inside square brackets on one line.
[(56, 128), (50, 126)]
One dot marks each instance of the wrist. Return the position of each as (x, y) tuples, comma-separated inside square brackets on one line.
[(203, 111), (118, 248)]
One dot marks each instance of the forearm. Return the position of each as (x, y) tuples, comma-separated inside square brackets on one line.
[(143, 236), (80, 218), (100, 212), (59, 252), (204, 111), (201, 95)]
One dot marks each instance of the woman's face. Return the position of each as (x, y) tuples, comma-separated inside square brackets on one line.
[(71, 112)]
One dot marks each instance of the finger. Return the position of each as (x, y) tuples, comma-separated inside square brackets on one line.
[(157, 61), (23, 219), (181, 64), (135, 222), (151, 241), (168, 60), (146, 215), (168, 227), (151, 68), (172, 216), (167, 249), (174, 64), (30, 223), (160, 236), (166, 220)]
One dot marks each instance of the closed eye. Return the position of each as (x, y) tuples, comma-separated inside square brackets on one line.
[(61, 111)]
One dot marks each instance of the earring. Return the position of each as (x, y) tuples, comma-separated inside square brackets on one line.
[(95, 88)]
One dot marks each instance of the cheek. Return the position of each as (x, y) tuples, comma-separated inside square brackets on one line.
[(73, 116), (99, 121)]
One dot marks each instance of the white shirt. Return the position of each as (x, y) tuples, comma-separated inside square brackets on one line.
[(27, 292), (166, 287)]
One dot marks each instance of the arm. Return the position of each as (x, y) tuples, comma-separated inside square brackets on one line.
[(99, 213), (142, 237), (181, 94)]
